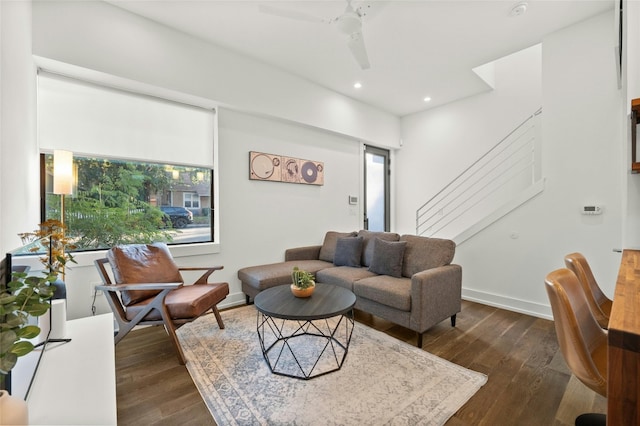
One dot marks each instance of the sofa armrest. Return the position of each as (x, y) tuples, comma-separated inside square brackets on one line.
[(302, 253), (436, 294)]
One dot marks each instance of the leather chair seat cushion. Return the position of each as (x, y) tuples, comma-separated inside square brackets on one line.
[(142, 263), (386, 290), (188, 301)]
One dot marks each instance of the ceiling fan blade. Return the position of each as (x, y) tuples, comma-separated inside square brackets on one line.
[(290, 14), (358, 49)]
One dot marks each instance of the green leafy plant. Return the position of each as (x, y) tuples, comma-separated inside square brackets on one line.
[(24, 296), (302, 279), (28, 295)]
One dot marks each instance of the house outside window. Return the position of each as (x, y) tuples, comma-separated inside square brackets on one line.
[(191, 201)]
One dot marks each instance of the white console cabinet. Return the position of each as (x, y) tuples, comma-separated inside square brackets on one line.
[(76, 381)]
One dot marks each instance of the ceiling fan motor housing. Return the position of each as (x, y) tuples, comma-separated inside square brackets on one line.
[(349, 23)]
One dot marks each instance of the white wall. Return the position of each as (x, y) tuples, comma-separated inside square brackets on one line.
[(441, 143), (259, 220), (100, 36), (581, 150), (581, 110), (19, 163)]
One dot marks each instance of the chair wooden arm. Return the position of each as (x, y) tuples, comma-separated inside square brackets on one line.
[(138, 286), (208, 271)]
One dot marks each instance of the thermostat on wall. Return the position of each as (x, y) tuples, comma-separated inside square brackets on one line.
[(353, 199), (591, 210)]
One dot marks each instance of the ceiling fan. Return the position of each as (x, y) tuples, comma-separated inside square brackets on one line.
[(348, 23)]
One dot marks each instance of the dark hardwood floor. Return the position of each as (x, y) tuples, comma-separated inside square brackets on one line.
[(529, 383)]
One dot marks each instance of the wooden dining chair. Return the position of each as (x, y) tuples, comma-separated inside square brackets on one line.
[(148, 289), (599, 304)]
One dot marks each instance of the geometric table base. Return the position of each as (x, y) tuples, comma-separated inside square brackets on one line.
[(304, 349)]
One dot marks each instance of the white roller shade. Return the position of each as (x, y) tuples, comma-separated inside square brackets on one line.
[(96, 120)]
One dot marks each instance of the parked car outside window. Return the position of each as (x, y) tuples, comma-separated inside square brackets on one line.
[(179, 216)]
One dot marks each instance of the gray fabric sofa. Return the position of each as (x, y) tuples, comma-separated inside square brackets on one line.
[(408, 280)]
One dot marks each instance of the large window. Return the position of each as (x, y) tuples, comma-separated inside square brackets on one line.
[(119, 202), (143, 164)]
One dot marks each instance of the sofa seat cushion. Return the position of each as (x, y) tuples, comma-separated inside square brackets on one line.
[(423, 253), (342, 276), (267, 276), (188, 301), (386, 290)]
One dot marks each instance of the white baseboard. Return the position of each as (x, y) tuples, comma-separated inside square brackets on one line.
[(508, 303), (497, 301), (232, 300)]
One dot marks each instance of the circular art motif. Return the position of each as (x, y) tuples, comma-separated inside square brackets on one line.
[(292, 168), (263, 166), (309, 172)]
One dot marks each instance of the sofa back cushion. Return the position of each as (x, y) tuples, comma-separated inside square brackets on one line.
[(348, 252), (367, 243), (328, 249), (424, 253), (388, 257), (142, 263)]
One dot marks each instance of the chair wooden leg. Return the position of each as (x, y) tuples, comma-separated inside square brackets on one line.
[(171, 330), (218, 317), (419, 340), (453, 320)]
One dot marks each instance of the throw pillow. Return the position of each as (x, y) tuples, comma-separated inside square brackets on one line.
[(367, 243), (328, 249), (387, 257), (348, 252)]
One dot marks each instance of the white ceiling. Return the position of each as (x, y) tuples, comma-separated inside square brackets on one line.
[(416, 48)]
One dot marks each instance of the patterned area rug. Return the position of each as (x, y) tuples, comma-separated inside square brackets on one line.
[(382, 381)]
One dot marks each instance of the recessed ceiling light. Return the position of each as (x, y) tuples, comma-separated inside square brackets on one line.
[(519, 9), (357, 85), (427, 99)]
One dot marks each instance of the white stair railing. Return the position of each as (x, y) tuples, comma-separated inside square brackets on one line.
[(505, 171)]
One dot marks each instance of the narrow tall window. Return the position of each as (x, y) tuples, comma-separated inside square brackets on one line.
[(376, 189)]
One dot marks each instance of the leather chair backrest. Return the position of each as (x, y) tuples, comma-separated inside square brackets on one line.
[(582, 341), (598, 302), (142, 263)]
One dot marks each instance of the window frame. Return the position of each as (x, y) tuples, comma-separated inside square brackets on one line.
[(135, 86), (44, 194)]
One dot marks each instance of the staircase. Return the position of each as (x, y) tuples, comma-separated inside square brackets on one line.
[(502, 179)]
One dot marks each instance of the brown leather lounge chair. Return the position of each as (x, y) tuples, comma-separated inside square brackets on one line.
[(148, 289), (583, 342)]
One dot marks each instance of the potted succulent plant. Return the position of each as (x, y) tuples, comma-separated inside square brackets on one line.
[(303, 282)]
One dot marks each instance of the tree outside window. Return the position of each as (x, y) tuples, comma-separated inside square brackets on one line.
[(118, 202)]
